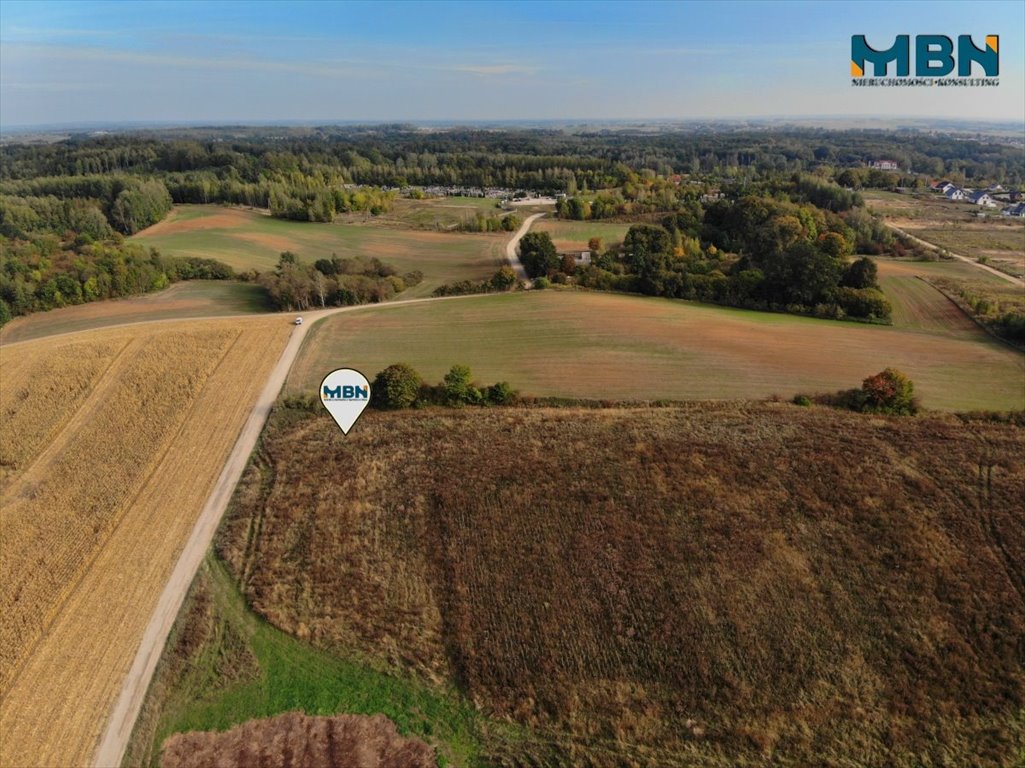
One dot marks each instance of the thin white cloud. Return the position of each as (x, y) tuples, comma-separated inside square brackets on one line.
[(103, 55), (330, 68), (494, 69)]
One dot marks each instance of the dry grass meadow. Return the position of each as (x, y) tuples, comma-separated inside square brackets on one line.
[(110, 442), (709, 585), (995, 239), (617, 347), (574, 235), (248, 239)]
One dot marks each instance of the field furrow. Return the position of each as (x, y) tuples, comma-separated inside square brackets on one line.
[(57, 516), (33, 415)]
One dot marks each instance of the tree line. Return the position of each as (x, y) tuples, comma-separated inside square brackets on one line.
[(35, 277), (555, 160)]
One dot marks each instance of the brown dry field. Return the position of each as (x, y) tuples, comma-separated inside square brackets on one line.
[(226, 217), (294, 740), (711, 585), (97, 503)]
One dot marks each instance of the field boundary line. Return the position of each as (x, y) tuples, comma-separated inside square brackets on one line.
[(47, 455), (970, 316)]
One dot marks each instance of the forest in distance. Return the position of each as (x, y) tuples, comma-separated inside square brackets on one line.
[(752, 218)]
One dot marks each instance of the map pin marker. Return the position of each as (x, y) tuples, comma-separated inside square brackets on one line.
[(345, 393)]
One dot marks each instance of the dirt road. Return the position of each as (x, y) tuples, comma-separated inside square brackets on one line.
[(126, 680), (510, 249), (973, 262), (119, 727)]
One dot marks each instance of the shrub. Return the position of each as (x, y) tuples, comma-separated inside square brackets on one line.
[(542, 282), (302, 402), (862, 273), (802, 400), (501, 393), (459, 389), (397, 386), (503, 279), (889, 392)]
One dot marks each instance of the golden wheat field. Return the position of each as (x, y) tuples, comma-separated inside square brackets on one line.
[(111, 442)]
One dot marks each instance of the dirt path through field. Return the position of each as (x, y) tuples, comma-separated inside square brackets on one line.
[(510, 249), (118, 729), (119, 726), (973, 262)]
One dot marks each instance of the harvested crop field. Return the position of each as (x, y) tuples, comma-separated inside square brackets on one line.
[(293, 739), (98, 501), (917, 305), (247, 239), (715, 584), (195, 298), (611, 346)]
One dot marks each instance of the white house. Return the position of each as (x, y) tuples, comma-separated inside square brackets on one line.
[(982, 198), (582, 259), (1015, 210), (954, 193), (885, 165)]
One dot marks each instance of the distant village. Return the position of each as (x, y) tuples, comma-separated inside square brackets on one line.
[(1008, 200), (499, 194), (991, 197)]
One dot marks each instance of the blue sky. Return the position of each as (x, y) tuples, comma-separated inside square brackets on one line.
[(262, 61)]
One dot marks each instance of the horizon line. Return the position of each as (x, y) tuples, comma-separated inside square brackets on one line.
[(457, 122)]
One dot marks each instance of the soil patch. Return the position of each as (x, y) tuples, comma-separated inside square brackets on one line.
[(174, 223)]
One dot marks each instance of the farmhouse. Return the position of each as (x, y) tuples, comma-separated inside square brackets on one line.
[(954, 193), (580, 258), (982, 198), (885, 165), (942, 185), (1015, 210)]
